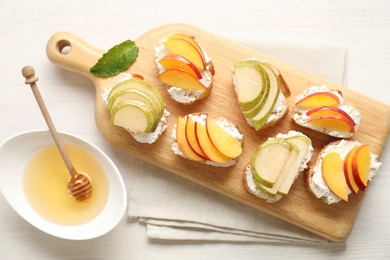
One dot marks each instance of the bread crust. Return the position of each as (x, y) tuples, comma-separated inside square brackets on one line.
[(282, 82), (245, 182)]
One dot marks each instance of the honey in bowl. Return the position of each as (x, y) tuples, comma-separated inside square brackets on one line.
[(45, 186)]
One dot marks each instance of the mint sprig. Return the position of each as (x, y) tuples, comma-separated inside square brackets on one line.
[(116, 59)]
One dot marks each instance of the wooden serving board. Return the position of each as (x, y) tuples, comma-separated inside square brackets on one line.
[(299, 207)]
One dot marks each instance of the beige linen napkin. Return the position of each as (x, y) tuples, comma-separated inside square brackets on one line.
[(174, 208)]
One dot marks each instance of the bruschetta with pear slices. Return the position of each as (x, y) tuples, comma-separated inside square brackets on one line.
[(276, 164), (138, 107)]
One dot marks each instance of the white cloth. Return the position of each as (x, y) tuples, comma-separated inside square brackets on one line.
[(174, 208)]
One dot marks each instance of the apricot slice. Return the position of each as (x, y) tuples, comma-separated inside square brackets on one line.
[(222, 140), (318, 99), (333, 174), (207, 146)]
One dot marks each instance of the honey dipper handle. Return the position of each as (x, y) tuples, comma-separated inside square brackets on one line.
[(29, 73), (73, 53)]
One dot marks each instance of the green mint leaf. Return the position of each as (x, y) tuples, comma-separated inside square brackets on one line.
[(116, 59)]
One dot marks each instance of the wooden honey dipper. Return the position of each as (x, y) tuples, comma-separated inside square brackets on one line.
[(79, 185)]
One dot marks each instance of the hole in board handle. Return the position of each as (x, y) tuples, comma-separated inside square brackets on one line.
[(64, 47)]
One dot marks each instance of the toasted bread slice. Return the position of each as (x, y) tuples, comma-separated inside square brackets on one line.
[(132, 90), (323, 110), (182, 95), (315, 183), (261, 91), (200, 138), (258, 173)]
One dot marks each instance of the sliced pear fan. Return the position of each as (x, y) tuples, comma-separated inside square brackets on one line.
[(133, 115), (283, 174), (268, 161), (136, 106), (136, 95), (277, 163), (303, 143), (260, 119), (258, 85), (142, 86)]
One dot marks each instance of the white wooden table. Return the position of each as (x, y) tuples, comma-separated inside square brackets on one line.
[(25, 26)]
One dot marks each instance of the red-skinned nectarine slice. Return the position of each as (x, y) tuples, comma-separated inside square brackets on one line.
[(173, 61), (327, 110), (180, 79), (361, 166), (190, 39), (348, 171), (191, 137), (182, 141), (333, 122)]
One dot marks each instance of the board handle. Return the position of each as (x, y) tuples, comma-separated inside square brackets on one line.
[(73, 53)]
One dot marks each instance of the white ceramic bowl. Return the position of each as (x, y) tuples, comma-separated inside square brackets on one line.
[(16, 151)]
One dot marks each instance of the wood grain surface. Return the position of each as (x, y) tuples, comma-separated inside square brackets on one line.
[(300, 208)]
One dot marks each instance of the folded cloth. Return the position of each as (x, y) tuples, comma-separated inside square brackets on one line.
[(176, 209)]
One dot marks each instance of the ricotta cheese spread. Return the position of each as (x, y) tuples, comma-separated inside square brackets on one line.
[(124, 76), (229, 128), (184, 95), (304, 164)]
